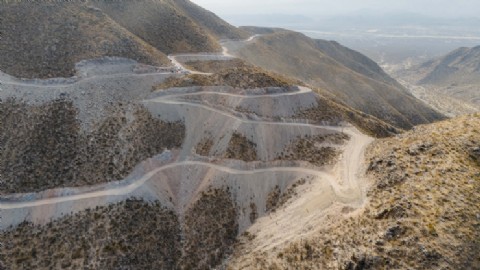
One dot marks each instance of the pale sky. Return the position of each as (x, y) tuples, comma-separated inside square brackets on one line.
[(437, 8)]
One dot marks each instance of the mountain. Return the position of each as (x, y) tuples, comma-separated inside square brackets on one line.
[(351, 77), (450, 83), (210, 21), (59, 34), (460, 66), (171, 26)]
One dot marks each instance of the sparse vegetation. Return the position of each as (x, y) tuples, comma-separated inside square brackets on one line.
[(332, 113), (204, 147), (59, 34), (351, 77), (210, 230), (216, 66), (422, 211), (44, 147), (241, 148)]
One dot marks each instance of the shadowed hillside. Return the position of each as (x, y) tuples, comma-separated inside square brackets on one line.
[(160, 23), (209, 21), (459, 66)]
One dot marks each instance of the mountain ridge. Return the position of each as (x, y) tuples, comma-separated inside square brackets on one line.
[(351, 77)]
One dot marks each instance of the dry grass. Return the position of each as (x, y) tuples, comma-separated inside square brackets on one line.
[(210, 230), (351, 77), (318, 150), (422, 211), (213, 66), (129, 235), (333, 113)]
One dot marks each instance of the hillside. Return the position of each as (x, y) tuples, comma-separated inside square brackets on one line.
[(46, 48), (170, 26), (59, 34), (351, 77), (92, 165), (421, 212), (455, 76)]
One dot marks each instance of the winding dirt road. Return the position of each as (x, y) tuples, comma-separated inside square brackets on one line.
[(342, 184), (124, 190), (224, 53), (347, 186)]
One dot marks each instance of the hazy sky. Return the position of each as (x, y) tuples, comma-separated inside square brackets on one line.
[(437, 8)]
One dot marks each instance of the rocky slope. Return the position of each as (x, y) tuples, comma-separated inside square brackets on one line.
[(238, 74), (422, 210), (50, 150), (351, 77)]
